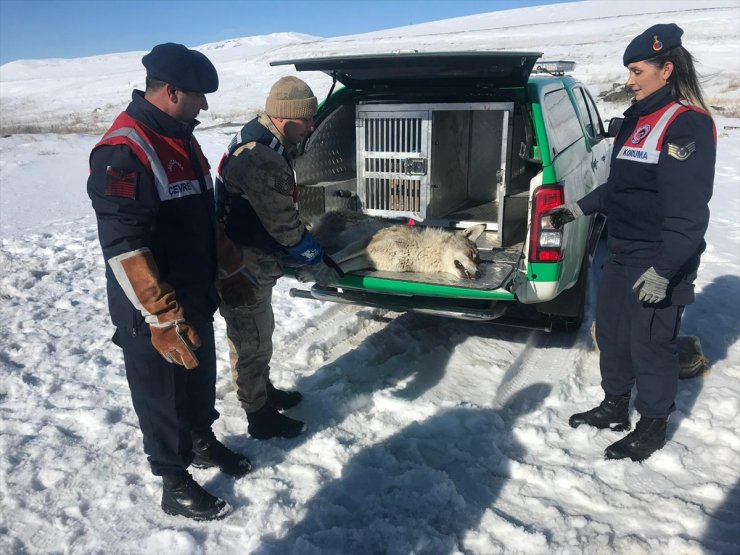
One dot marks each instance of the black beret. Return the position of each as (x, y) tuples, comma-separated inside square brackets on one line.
[(183, 68), (654, 41)]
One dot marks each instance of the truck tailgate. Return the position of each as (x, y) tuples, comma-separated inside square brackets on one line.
[(497, 266)]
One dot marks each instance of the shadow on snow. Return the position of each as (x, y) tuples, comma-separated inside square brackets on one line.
[(420, 490)]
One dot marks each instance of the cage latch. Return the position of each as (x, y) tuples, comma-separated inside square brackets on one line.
[(416, 166)]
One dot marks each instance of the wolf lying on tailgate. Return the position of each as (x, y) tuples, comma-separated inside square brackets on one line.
[(360, 242)]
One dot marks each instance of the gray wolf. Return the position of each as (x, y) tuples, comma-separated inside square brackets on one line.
[(359, 242)]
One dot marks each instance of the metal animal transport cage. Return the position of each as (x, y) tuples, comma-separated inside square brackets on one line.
[(426, 161)]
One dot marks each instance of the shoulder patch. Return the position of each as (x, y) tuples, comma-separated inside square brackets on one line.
[(681, 153), (283, 184), (120, 183)]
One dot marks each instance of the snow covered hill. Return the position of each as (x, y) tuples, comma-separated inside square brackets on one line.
[(424, 435), (87, 93)]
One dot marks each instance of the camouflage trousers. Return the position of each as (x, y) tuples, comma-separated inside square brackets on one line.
[(249, 330)]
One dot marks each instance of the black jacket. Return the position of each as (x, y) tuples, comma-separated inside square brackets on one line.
[(657, 202), (179, 231)]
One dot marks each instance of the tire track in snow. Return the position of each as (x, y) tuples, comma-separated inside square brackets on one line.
[(546, 358), (354, 324), (555, 356)]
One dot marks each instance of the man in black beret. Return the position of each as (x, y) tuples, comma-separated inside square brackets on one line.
[(151, 189), (181, 67)]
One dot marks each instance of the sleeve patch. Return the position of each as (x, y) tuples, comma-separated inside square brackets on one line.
[(283, 184), (681, 153), (120, 183)]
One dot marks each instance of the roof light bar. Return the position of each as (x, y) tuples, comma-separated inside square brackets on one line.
[(558, 67)]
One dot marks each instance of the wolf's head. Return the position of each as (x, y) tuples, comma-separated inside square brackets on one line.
[(460, 256)]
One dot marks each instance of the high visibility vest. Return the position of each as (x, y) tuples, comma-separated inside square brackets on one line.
[(646, 141), (169, 160)]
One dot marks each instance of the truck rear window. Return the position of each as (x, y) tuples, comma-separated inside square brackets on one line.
[(563, 127)]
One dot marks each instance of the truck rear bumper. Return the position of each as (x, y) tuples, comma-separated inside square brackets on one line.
[(465, 309)]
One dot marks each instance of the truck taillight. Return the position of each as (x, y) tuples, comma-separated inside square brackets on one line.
[(545, 241)]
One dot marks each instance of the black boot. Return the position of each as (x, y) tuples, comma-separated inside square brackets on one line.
[(613, 412), (267, 423), (647, 437), (282, 400), (211, 452), (181, 495)]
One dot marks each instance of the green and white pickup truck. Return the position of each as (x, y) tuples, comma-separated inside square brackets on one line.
[(454, 139)]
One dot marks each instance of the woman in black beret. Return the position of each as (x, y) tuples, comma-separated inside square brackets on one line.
[(656, 200)]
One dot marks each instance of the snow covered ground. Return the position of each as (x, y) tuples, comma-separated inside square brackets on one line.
[(424, 435)]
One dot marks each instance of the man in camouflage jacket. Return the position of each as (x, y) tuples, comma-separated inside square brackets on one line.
[(256, 194)]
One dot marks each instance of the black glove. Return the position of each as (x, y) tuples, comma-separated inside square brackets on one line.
[(325, 272), (563, 214), (237, 290)]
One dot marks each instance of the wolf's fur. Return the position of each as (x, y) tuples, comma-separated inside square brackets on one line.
[(358, 242)]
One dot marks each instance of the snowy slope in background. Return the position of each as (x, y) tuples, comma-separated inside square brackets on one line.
[(424, 435), (87, 93)]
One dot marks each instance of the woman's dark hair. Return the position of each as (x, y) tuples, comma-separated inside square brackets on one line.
[(684, 79)]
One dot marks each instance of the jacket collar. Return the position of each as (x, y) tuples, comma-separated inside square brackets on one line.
[(290, 148), (650, 104), (157, 120)]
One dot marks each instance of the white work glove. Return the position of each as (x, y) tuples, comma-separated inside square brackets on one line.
[(563, 214), (325, 272), (650, 287)]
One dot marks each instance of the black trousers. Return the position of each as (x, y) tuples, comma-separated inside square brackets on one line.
[(637, 342), (170, 400)]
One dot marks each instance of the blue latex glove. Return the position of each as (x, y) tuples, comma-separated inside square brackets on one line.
[(307, 250)]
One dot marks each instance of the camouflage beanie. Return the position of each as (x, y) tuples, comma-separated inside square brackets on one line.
[(291, 98)]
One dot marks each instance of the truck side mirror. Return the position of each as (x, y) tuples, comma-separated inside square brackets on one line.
[(615, 125)]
